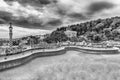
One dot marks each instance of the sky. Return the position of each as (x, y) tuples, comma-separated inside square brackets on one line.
[(20, 31), (39, 15)]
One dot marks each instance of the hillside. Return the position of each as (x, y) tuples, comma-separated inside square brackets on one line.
[(94, 30)]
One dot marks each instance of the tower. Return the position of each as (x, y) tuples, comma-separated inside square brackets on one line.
[(10, 35)]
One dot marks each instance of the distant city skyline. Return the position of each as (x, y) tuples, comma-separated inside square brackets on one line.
[(34, 16)]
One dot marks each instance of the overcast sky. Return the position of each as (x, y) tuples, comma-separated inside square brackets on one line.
[(50, 14)]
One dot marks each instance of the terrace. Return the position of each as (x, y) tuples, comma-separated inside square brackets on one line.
[(18, 49)]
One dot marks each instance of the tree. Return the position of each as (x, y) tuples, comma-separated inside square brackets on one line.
[(56, 36), (107, 32), (94, 30), (115, 33), (104, 38), (90, 35), (115, 23), (97, 38), (99, 27), (61, 29), (16, 42), (74, 39)]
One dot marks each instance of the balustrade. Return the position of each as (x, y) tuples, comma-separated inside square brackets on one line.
[(17, 50)]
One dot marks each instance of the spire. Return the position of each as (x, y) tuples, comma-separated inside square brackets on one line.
[(10, 35), (10, 25)]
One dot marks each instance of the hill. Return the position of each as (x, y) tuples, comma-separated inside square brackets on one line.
[(94, 30)]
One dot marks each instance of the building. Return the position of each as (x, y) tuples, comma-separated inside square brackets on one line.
[(70, 33), (41, 37), (23, 42), (113, 43)]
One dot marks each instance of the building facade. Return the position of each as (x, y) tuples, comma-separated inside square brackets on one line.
[(70, 33)]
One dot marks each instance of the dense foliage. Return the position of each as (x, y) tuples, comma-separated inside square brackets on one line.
[(56, 36), (94, 30)]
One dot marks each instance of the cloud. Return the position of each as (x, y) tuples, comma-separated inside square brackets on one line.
[(5, 17), (29, 22), (19, 31), (48, 14), (77, 16), (39, 3), (96, 7), (54, 22), (61, 11), (20, 15), (28, 16), (2, 21)]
